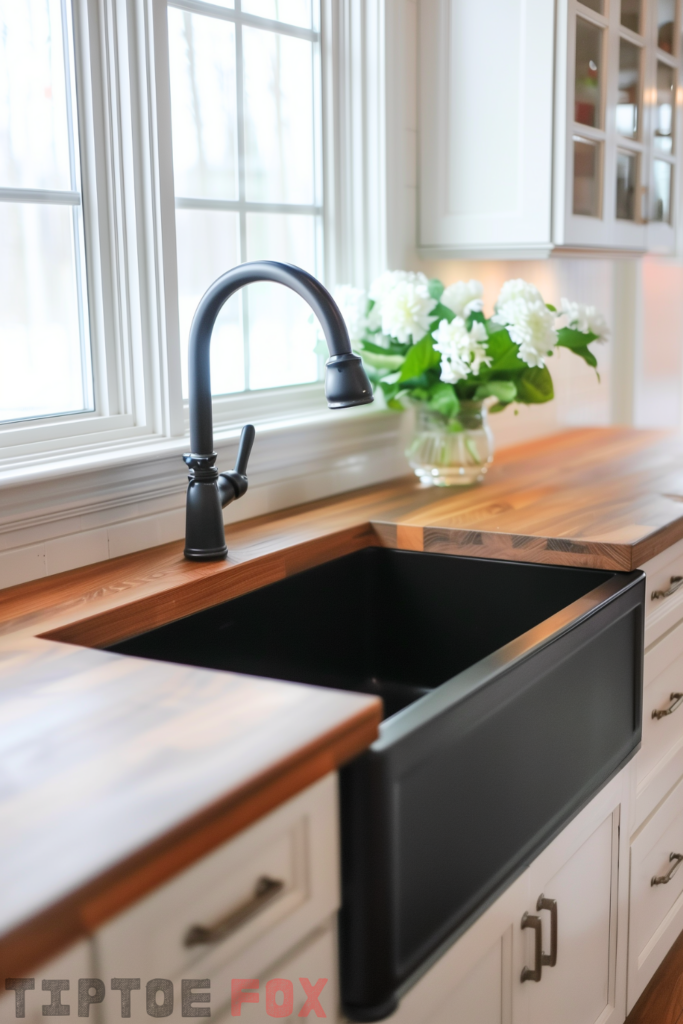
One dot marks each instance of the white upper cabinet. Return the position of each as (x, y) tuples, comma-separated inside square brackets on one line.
[(547, 126)]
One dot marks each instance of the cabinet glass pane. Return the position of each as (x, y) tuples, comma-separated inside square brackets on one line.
[(595, 5), (203, 105), (666, 21), (586, 178), (661, 192), (627, 173), (665, 108), (629, 89), (631, 14), (588, 74)]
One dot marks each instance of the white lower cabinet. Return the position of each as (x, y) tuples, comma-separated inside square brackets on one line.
[(479, 979)]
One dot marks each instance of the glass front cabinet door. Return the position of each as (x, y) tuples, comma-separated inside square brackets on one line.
[(565, 135), (616, 126)]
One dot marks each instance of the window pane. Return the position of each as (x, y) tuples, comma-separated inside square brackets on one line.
[(631, 13), (595, 5), (629, 89), (661, 199), (626, 186), (208, 245), (282, 334), (666, 20), (45, 371), (34, 133), (665, 108), (294, 12), (204, 105), (586, 178), (588, 74), (279, 118)]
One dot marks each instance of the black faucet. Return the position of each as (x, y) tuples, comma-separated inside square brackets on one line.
[(345, 384)]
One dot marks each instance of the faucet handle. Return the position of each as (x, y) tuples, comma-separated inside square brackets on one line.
[(233, 484), (244, 451)]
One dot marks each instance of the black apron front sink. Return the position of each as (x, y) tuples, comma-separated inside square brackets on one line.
[(512, 694)]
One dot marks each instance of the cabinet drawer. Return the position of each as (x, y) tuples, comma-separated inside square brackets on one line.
[(659, 763), (656, 911), (296, 846), (661, 613)]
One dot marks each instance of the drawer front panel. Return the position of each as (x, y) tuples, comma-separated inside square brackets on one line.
[(659, 763), (295, 846), (663, 612), (656, 910), (75, 963)]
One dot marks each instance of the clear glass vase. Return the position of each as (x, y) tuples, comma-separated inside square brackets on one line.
[(451, 452)]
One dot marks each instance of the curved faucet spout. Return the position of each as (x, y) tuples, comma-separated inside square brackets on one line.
[(346, 384)]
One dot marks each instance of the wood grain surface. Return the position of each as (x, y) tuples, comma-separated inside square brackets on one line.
[(116, 773), (602, 498), (662, 1000)]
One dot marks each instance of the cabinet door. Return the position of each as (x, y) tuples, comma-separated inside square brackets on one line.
[(580, 987), (472, 982)]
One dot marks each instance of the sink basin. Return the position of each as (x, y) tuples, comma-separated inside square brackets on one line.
[(511, 692)]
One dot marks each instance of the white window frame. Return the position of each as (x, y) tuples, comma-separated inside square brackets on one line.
[(122, 72)]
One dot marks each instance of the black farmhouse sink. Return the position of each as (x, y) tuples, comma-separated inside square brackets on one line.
[(512, 693)]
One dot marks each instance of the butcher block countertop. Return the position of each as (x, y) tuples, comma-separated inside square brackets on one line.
[(116, 773)]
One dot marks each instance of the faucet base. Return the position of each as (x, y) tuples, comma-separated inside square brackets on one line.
[(206, 554)]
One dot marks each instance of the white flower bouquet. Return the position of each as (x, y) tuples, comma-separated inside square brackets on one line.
[(433, 345)]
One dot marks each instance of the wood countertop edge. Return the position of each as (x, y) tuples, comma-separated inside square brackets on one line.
[(77, 915)]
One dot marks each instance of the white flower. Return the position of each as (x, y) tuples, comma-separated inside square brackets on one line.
[(353, 304), (463, 297), (586, 319), (530, 325), (402, 304), (462, 351), (405, 311), (512, 292)]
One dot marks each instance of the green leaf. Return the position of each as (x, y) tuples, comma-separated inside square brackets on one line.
[(443, 399), (503, 352), (586, 354), (436, 288), (504, 390), (395, 348), (420, 357), (553, 309), (569, 337), (384, 361), (441, 312), (393, 403), (535, 385)]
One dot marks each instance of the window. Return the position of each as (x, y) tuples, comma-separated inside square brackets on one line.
[(44, 333), (146, 148), (245, 97)]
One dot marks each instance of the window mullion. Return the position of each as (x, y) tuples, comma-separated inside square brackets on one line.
[(241, 177)]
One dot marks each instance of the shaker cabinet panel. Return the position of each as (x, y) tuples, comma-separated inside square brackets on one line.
[(486, 124)]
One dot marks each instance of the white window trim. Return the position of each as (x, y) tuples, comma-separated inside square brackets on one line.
[(74, 486)]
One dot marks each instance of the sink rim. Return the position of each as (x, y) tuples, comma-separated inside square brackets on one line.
[(488, 669)]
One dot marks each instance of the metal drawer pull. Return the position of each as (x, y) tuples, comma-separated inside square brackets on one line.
[(529, 921), (266, 889), (677, 699), (675, 583), (549, 959), (663, 879)]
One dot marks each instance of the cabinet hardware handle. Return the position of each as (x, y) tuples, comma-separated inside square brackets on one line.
[(265, 891), (530, 921), (663, 879), (674, 584), (677, 699), (549, 959)]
